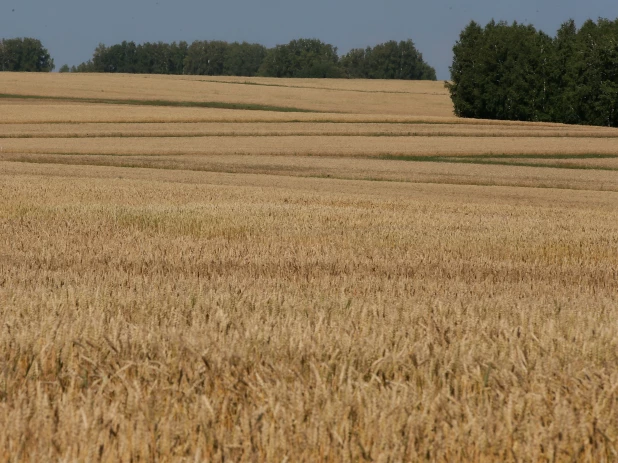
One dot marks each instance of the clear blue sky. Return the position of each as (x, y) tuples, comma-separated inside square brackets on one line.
[(71, 29)]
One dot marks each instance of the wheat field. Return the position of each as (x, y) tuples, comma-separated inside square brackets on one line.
[(341, 272)]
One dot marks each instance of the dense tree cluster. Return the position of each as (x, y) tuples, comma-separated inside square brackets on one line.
[(515, 72), (24, 55), (218, 58), (302, 58), (390, 60), (299, 58), (147, 58)]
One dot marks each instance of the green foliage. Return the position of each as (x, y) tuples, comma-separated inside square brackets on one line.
[(309, 58), (354, 63), (502, 72), (64, 68), (390, 60), (591, 76), (467, 73), (243, 59), (161, 58), (24, 55), (515, 72), (117, 58), (205, 58), (147, 58), (216, 58), (88, 66)]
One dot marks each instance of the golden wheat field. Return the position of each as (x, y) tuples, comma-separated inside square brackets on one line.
[(230, 269)]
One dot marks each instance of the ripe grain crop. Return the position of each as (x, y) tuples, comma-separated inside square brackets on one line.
[(346, 85), (41, 111), (341, 291), (183, 89), (33, 111), (574, 162), (595, 177), (154, 319), (240, 129), (315, 145)]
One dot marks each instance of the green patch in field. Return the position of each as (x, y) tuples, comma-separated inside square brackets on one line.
[(547, 156), (510, 160), (330, 89), (169, 103)]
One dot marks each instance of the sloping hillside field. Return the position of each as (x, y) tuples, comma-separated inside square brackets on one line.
[(243, 269)]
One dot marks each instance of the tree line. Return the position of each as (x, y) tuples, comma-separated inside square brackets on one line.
[(309, 58), (515, 72), (24, 54), (500, 71)]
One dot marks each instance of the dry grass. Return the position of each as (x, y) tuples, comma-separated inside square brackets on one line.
[(183, 302)]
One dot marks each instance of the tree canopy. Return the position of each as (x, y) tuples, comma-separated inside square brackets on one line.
[(298, 58), (302, 58), (147, 58), (390, 60), (515, 72), (24, 55)]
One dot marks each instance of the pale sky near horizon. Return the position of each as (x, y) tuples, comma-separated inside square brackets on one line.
[(71, 29)]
